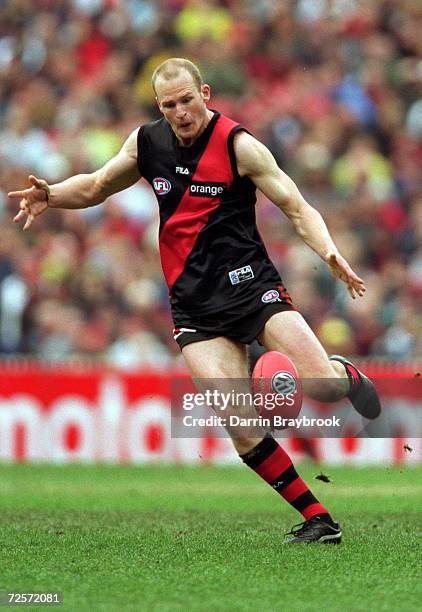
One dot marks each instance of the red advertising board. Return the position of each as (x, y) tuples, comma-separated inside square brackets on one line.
[(79, 413)]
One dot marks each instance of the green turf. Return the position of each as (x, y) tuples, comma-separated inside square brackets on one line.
[(206, 538)]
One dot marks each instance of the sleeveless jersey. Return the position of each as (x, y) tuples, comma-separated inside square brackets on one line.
[(212, 255)]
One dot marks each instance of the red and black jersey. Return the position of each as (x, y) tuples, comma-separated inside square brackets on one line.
[(212, 255)]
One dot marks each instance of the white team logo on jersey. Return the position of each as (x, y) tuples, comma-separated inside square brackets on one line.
[(271, 296), (161, 185), (181, 170)]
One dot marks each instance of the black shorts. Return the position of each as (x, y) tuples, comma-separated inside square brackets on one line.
[(229, 323)]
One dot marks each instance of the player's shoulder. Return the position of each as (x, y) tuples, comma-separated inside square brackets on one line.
[(154, 127), (244, 139), (252, 155), (250, 152), (154, 135)]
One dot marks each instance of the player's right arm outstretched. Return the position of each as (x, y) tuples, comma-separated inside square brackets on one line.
[(81, 190)]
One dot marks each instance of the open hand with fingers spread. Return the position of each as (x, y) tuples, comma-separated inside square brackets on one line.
[(34, 200), (341, 269)]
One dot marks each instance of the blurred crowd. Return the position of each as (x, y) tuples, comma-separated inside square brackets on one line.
[(333, 87)]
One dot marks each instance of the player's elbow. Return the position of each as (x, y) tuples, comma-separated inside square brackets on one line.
[(298, 216), (100, 190), (305, 220), (290, 205)]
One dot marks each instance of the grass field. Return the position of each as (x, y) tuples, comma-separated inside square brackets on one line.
[(206, 538)]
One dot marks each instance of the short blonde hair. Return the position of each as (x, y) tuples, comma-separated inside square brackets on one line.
[(172, 67)]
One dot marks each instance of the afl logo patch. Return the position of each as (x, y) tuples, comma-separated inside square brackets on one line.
[(161, 185), (271, 296)]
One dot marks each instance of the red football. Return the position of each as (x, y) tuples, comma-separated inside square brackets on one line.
[(277, 389)]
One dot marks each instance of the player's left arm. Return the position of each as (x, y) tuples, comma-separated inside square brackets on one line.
[(256, 161)]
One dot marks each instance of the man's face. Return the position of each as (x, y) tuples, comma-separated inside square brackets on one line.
[(183, 106)]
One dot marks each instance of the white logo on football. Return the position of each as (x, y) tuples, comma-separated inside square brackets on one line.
[(284, 383), (271, 296), (161, 185)]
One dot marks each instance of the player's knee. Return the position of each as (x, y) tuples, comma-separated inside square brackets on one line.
[(326, 389), (245, 444)]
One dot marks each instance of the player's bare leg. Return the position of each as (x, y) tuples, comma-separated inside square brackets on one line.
[(289, 333), (334, 378), (222, 358)]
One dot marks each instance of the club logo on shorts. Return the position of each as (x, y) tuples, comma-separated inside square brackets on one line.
[(161, 185), (240, 275), (178, 331), (284, 383), (271, 296)]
